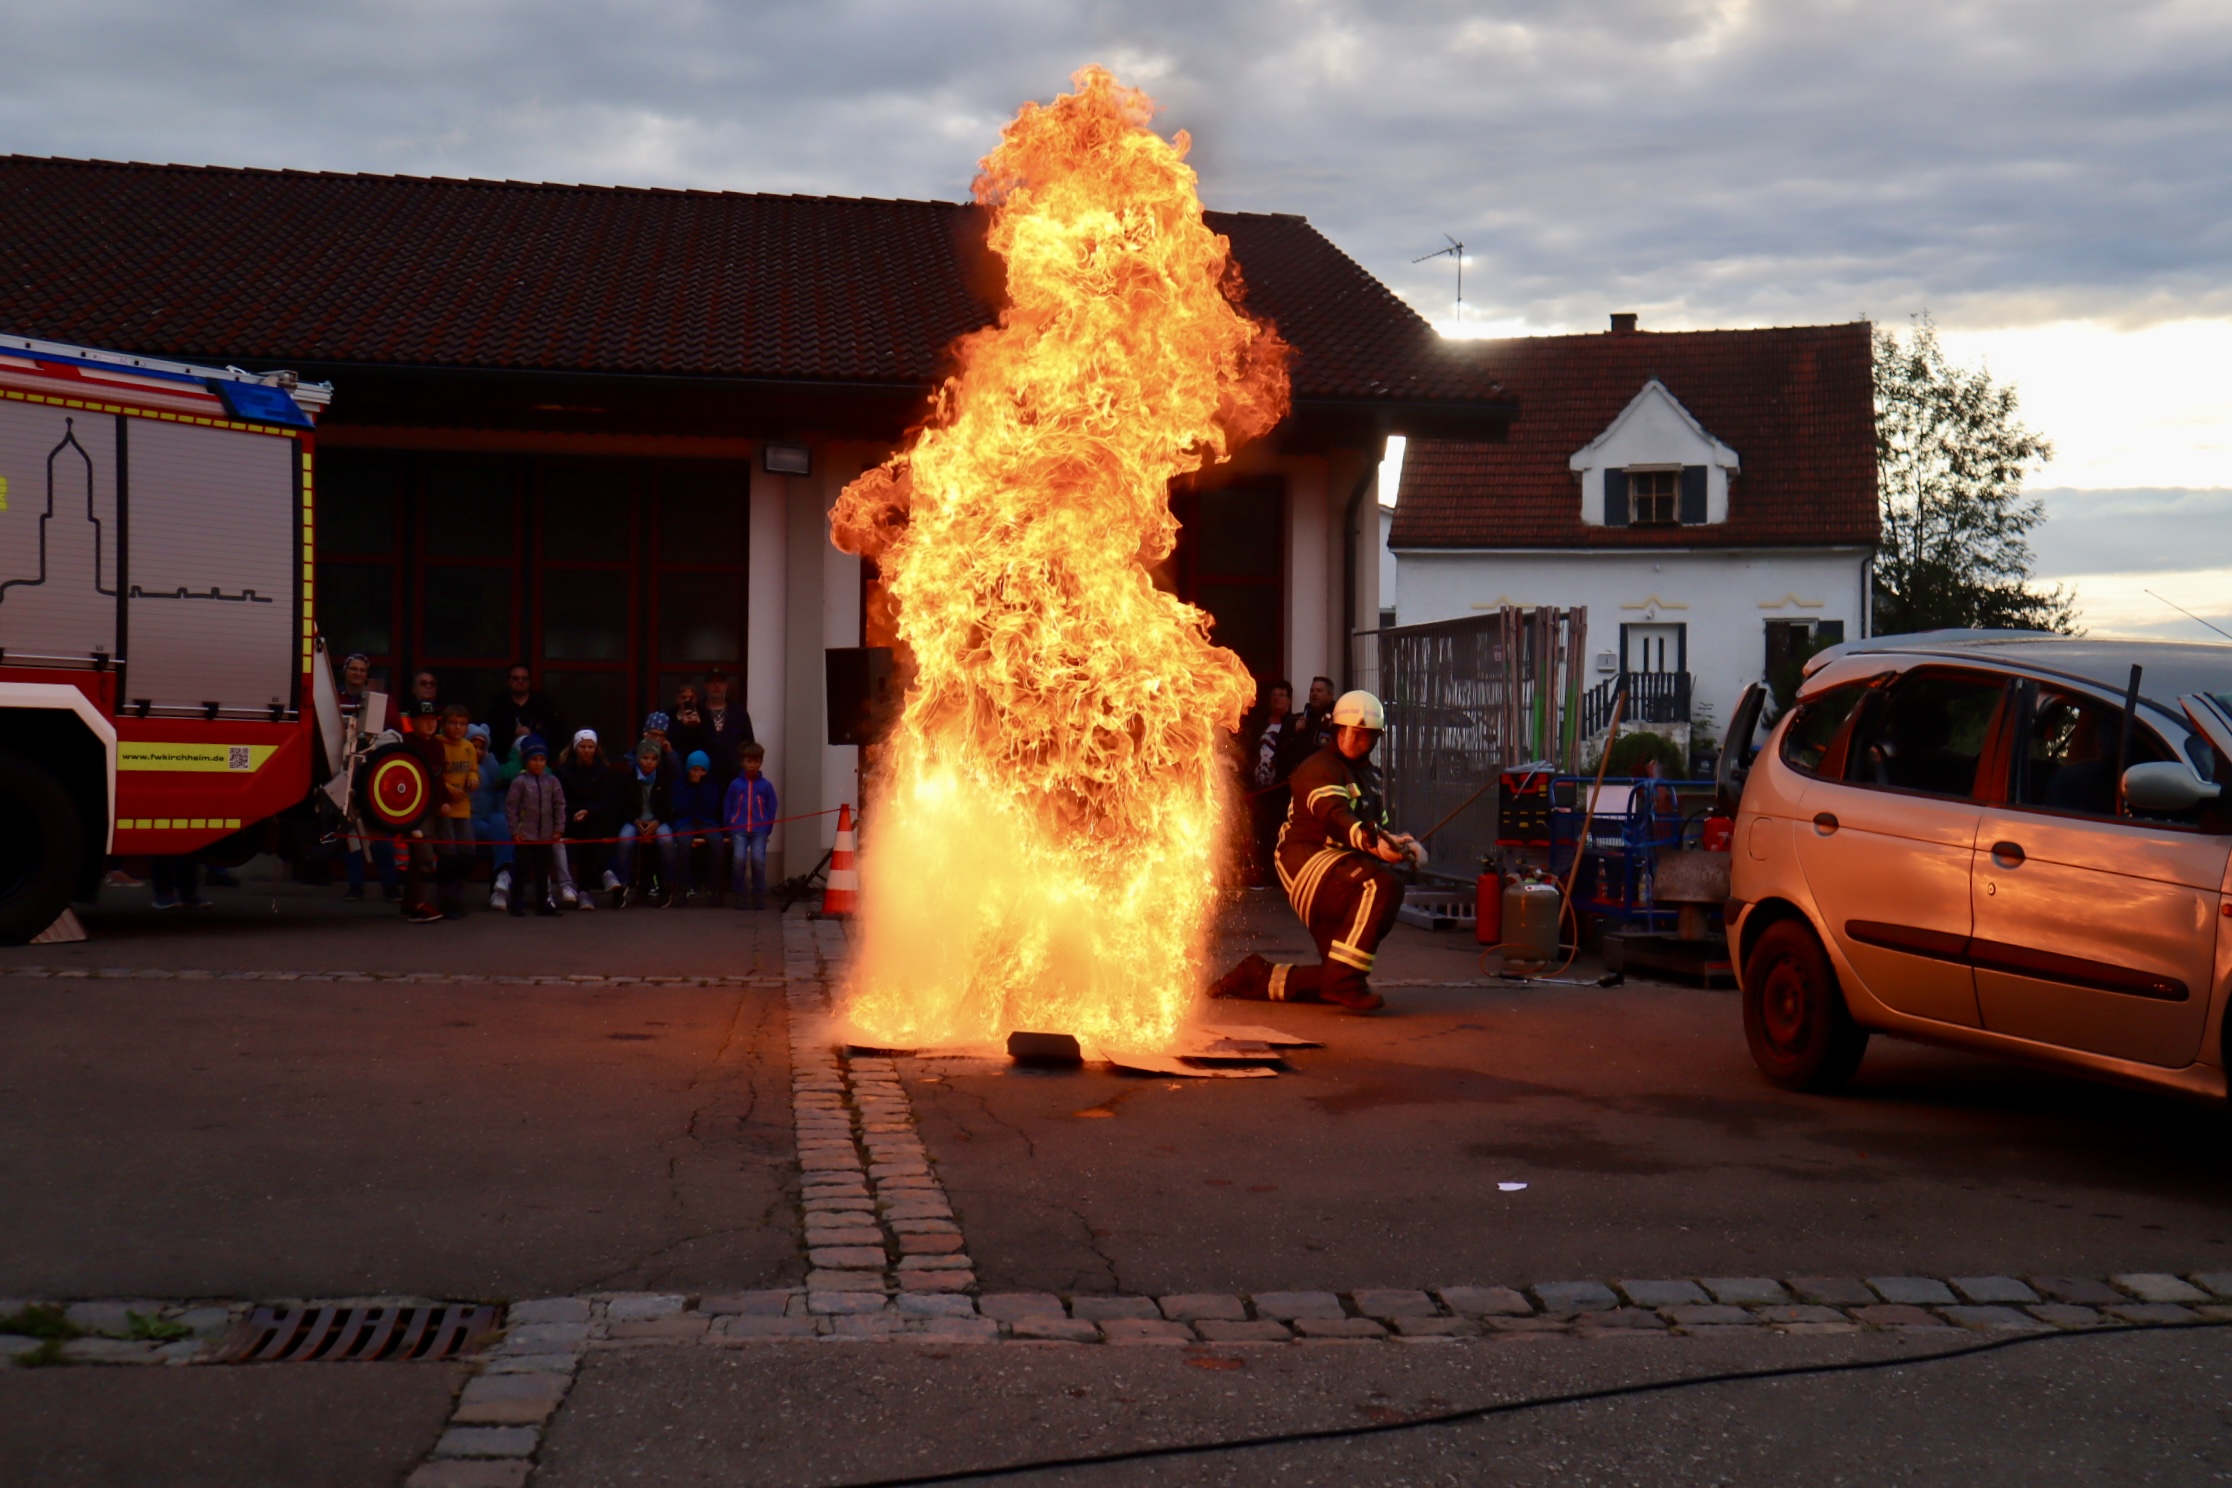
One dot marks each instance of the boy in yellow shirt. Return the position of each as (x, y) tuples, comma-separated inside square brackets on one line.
[(452, 827)]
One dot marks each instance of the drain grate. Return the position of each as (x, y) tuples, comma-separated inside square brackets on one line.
[(355, 1335)]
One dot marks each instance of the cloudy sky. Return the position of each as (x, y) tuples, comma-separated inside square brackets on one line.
[(2052, 180)]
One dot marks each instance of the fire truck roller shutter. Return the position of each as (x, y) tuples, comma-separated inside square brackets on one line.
[(216, 555), (58, 534)]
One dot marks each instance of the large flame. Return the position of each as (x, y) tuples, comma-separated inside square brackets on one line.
[(1049, 804)]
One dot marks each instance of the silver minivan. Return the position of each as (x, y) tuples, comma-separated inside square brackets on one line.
[(2011, 842)]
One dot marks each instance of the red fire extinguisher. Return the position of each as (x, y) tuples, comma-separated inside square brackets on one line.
[(1488, 906), (1718, 834)]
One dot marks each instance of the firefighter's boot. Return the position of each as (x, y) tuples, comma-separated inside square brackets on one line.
[(1249, 981)]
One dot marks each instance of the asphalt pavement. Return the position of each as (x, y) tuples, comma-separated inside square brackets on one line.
[(477, 1139), (2070, 1409), (257, 1102), (1648, 1144), (276, 1426)]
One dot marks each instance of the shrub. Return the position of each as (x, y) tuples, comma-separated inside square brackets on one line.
[(1631, 751)]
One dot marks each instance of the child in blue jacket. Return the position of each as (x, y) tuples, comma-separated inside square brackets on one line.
[(749, 815), (698, 809)]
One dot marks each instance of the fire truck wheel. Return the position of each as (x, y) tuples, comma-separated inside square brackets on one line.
[(36, 877), (396, 790)]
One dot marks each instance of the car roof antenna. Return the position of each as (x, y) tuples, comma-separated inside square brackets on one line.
[(2196, 619)]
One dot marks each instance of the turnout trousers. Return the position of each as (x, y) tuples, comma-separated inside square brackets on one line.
[(1348, 900)]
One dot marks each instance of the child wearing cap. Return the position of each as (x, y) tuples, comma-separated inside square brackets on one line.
[(647, 806), (415, 849), (655, 727), (488, 815), (697, 826), (749, 814), (535, 817), (588, 784)]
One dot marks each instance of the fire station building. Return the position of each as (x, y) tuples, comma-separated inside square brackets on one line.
[(599, 430)]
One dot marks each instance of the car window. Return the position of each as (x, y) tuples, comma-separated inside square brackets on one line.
[(1925, 732), (1806, 742), (2068, 760), (2205, 761)]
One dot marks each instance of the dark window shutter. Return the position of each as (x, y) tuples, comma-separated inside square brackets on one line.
[(1693, 495), (1829, 632), (1615, 498)]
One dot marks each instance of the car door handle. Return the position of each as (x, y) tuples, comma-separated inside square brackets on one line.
[(1825, 822), (2007, 854)]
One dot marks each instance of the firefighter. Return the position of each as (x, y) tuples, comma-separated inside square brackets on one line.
[(1332, 862)]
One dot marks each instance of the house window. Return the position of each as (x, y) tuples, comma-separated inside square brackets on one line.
[(1791, 642), (1654, 497)]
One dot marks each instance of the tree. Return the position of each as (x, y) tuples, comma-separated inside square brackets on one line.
[(1950, 457)]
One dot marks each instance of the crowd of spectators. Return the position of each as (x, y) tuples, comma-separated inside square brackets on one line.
[(561, 821), (1274, 738)]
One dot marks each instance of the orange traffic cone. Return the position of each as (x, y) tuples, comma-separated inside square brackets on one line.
[(841, 896)]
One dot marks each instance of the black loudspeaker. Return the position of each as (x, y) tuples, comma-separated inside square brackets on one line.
[(860, 692)]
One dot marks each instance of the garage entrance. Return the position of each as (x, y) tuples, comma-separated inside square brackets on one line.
[(615, 580)]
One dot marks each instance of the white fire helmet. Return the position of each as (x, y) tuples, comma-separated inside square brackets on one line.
[(1358, 710)]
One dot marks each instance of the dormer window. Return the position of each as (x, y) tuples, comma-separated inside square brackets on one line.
[(1654, 466), (1653, 497)]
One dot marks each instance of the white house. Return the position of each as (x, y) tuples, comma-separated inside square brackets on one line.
[(1710, 496)]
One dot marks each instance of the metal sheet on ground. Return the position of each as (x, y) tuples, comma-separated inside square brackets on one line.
[(1171, 1064), (1253, 1034)]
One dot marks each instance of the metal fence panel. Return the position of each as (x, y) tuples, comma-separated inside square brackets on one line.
[(1445, 699), (1465, 698)]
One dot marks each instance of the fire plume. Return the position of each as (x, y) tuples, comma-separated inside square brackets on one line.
[(1050, 802)]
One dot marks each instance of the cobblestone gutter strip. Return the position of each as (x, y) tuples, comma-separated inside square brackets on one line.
[(497, 1426), (541, 1331), (114, 1332), (1677, 1305), (435, 978), (885, 1254)]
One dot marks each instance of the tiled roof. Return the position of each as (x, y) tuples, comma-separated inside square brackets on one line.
[(1794, 403), (222, 264)]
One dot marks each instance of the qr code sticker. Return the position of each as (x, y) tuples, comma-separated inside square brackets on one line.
[(236, 757)]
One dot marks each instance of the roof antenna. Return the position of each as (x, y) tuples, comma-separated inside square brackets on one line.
[(2196, 619), (1455, 250)]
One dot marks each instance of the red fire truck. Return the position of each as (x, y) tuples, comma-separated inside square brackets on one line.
[(162, 686)]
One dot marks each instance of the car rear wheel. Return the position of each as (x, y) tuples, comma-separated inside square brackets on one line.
[(1801, 1034), (45, 848)]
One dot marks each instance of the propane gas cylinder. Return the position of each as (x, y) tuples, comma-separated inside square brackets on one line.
[(1530, 923)]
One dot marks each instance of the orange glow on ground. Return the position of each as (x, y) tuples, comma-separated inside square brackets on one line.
[(1045, 827)]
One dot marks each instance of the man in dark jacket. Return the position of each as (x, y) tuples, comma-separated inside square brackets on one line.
[(1332, 862), (1314, 729), (724, 728), (519, 711)]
